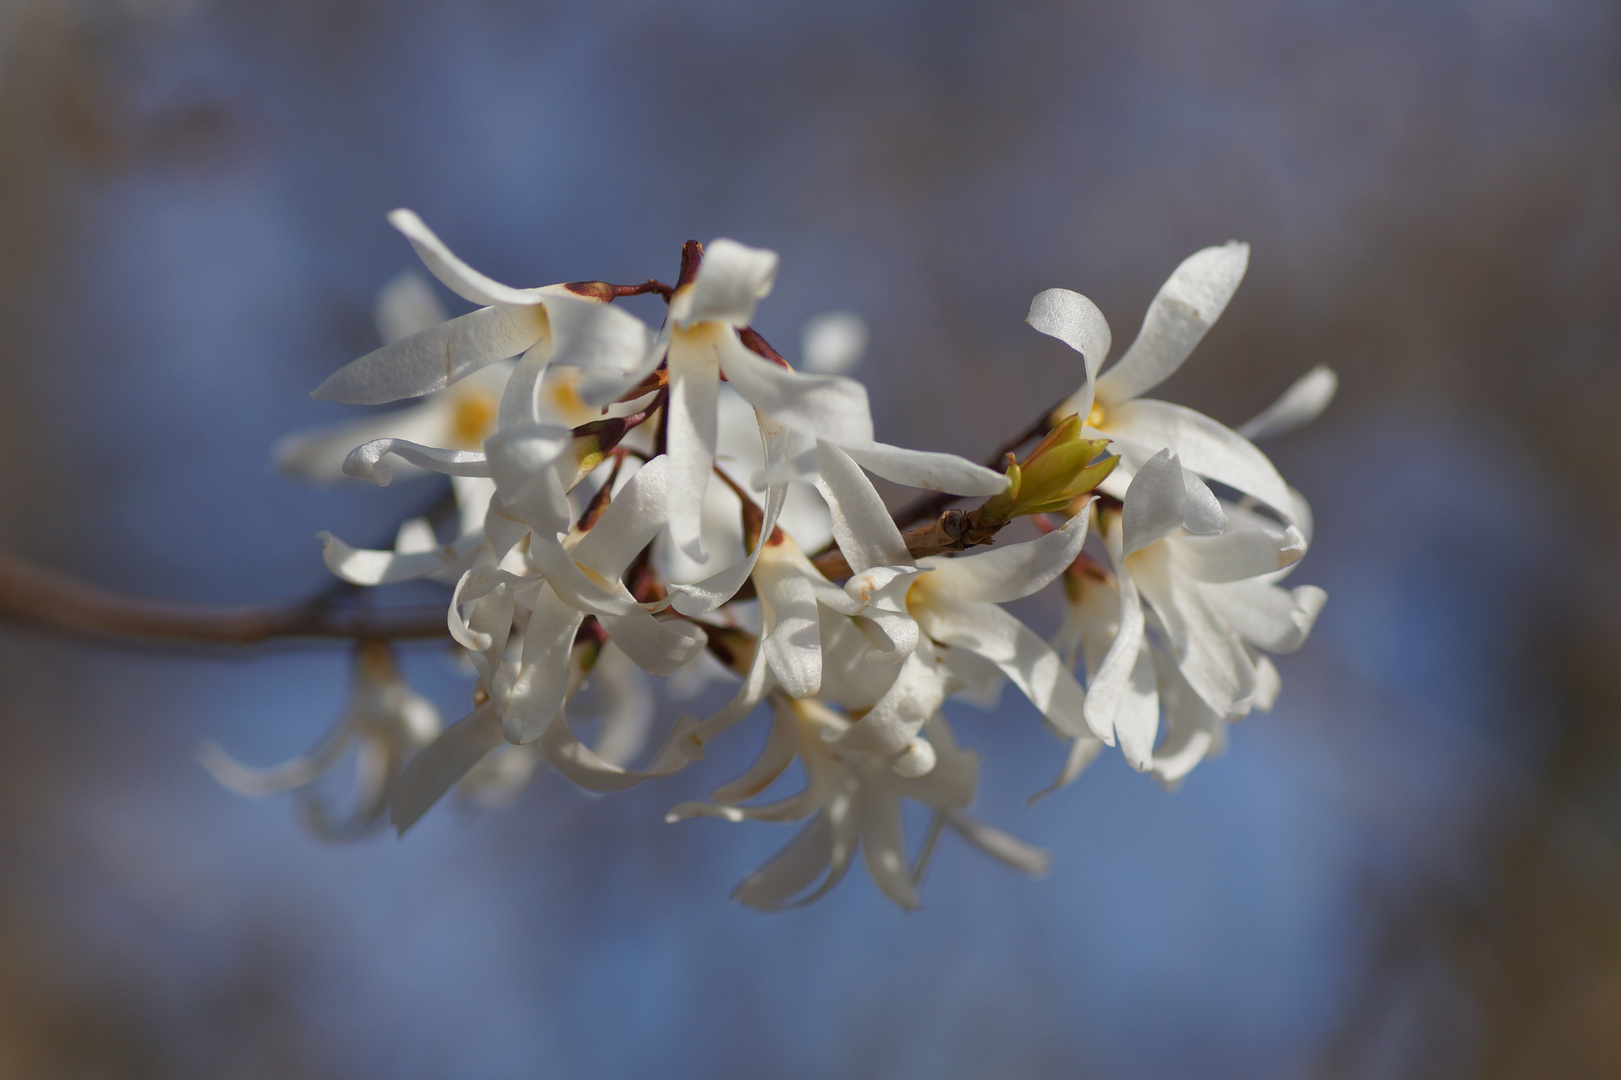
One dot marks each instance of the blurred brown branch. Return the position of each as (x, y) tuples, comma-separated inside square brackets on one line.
[(40, 596)]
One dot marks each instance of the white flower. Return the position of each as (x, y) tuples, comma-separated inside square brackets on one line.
[(704, 345), (461, 416), (385, 720), (1209, 588), (853, 801), (1189, 302)]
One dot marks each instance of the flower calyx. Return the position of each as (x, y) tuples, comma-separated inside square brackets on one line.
[(1062, 468)]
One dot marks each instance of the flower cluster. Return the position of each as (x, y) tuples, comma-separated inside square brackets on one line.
[(682, 502)]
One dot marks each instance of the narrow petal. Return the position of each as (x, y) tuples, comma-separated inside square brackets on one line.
[(1008, 573), (1302, 403), (521, 463), (1082, 752), (1208, 653), (1027, 661), (633, 518), (883, 845), (365, 462), (457, 276), (893, 722), (319, 454), (433, 772), (1136, 713), (299, 772), (833, 343), (865, 532), (576, 761), (543, 678), (610, 346), (1236, 555), (690, 426), (1187, 304), (658, 646), (790, 871), (362, 566), (731, 280), (831, 406), (1143, 427), (791, 640), (780, 748), (625, 704), (927, 469), (1107, 689), (1267, 616), (432, 359), (1001, 846)]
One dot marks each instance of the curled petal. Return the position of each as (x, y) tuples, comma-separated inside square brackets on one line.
[(1082, 752), (319, 454), (365, 462), (1003, 847), (365, 566), (457, 276), (731, 280), (830, 406), (883, 845), (1077, 322), (1142, 427), (691, 433), (432, 359), (569, 756), (1182, 311)]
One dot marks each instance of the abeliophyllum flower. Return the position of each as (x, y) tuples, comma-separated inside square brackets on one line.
[(385, 722), (852, 801)]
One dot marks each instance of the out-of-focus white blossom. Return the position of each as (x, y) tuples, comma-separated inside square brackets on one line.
[(385, 722)]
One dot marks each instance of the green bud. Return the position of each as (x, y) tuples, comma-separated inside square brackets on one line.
[(1056, 473)]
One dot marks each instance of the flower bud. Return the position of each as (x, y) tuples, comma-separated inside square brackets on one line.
[(1057, 472)]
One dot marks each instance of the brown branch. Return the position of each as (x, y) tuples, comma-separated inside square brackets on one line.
[(953, 530), (35, 594)]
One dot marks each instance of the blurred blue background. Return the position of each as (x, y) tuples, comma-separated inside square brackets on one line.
[(1409, 869)]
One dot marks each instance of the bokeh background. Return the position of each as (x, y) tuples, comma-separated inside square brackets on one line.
[(1409, 869)]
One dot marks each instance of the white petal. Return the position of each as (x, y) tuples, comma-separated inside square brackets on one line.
[(297, 773), (1186, 305), (791, 870), (319, 454), (791, 639), (1005, 848), (1110, 686), (1208, 653), (1008, 573), (883, 845), (1268, 684), (633, 518), (757, 683), (365, 462), (521, 461), (690, 424), (361, 566), (927, 469), (658, 646), (1144, 426), (432, 772), (780, 748), (892, 723), (1154, 502), (731, 280), (1272, 618), (625, 704), (518, 397), (831, 406), (434, 358), (865, 532), (610, 346), (1077, 322), (1136, 714), (569, 756), (543, 680), (1239, 554), (458, 277), (833, 343), (1027, 661), (1082, 752), (1302, 403)]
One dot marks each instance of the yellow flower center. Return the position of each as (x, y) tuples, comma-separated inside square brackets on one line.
[(473, 419), (1096, 416)]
